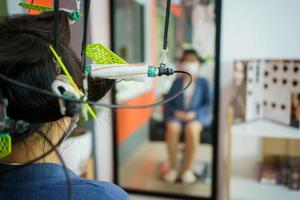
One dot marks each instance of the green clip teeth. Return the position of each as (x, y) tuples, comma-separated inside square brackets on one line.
[(102, 55), (5, 145)]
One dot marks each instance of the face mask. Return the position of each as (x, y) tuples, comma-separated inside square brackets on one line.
[(191, 67)]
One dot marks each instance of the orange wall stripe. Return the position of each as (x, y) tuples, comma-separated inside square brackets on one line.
[(130, 120)]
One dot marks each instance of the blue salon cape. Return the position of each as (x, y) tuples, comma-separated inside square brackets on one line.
[(201, 101), (46, 181)]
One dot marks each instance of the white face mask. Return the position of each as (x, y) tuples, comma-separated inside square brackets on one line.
[(191, 67)]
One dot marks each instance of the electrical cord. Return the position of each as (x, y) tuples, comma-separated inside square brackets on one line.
[(56, 23), (112, 106), (54, 148), (165, 41), (162, 67), (85, 27)]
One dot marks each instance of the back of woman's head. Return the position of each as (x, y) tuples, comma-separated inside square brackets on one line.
[(25, 56)]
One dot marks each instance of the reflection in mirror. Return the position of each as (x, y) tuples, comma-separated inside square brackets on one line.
[(168, 149)]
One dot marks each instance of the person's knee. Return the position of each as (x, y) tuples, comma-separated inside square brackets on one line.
[(173, 127), (194, 127)]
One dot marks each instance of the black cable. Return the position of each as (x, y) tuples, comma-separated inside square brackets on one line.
[(162, 67), (68, 179), (113, 106), (56, 24), (85, 32), (167, 17)]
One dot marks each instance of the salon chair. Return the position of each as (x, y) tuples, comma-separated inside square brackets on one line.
[(157, 133)]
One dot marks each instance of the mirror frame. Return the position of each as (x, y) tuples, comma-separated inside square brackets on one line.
[(215, 121)]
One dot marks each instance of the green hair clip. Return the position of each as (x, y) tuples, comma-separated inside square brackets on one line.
[(102, 55), (5, 145)]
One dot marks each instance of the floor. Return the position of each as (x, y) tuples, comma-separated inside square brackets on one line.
[(143, 171)]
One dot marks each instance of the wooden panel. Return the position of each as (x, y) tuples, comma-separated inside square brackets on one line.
[(294, 148), (275, 147), (280, 147)]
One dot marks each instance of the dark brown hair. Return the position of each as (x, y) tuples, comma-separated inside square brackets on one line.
[(189, 52), (25, 56)]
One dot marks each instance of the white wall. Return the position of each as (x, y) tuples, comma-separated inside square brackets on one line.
[(100, 32), (14, 8), (254, 29)]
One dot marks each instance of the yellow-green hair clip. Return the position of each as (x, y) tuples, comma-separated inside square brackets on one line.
[(102, 55), (5, 145)]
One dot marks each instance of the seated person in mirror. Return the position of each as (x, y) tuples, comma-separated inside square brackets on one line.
[(189, 113)]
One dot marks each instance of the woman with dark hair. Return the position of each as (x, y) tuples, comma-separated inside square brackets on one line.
[(25, 57), (295, 110), (190, 113), (238, 101)]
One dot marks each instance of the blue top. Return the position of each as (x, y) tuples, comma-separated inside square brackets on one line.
[(47, 182), (201, 101)]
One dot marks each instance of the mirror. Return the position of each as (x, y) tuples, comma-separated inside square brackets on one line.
[(169, 150)]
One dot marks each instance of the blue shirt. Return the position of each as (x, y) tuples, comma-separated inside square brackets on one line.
[(201, 101), (47, 182)]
